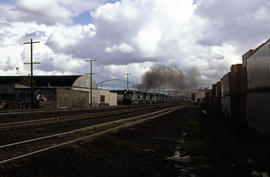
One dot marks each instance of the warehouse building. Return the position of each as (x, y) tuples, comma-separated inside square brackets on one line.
[(55, 91), (200, 96)]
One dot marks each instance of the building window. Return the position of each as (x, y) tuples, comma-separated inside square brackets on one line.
[(102, 98)]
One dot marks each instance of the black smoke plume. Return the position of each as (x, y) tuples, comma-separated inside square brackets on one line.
[(169, 77)]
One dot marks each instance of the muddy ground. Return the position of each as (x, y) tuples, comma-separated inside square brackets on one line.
[(183, 143), (223, 147)]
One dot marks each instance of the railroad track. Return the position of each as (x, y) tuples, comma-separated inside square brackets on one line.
[(16, 112), (21, 131), (21, 149), (41, 114), (61, 119)]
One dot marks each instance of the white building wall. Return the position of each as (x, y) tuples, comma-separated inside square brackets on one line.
[(110, 98), (105, 93), (113, 99), (95, 95)]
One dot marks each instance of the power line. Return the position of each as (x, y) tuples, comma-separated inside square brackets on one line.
[(100, 83)]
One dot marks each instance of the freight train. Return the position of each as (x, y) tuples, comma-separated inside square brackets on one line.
[(134, 97), (243, 94)]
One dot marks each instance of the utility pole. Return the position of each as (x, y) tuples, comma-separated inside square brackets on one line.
[(31, 74), (91, 81), (127, 74)]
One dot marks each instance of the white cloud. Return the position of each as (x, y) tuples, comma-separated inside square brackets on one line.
[(123, 47), (241, 23), (127, 33), (136, 70), (218, 56), (148, 40), (155, 29), (131, 35), (115, 11), (13, 53), (262, 14), (46, 11)]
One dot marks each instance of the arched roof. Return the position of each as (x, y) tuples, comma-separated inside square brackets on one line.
[(84, 82), (53, 81)]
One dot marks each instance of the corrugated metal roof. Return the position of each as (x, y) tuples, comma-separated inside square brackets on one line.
[(41, 81)]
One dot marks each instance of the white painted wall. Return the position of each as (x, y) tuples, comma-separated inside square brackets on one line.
[(106, 93), (113, 99), (110, 98), (95, 95)]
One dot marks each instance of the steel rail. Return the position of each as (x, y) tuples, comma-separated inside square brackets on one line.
[(15, 112), (80, 129), (26, 123), (132, 119), (59, 119), (19, 112)]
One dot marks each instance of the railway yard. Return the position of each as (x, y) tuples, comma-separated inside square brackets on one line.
[(36, 134), (149, 140), (124, 88)]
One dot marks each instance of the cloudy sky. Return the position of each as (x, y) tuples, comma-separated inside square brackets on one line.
[(130, 35)]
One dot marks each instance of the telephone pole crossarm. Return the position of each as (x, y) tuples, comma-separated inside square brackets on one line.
[(31, 42), (28, 63)]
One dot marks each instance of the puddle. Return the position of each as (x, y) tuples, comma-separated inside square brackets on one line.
[(182, 163)]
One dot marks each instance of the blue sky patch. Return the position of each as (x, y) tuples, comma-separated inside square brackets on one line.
[(83, 19), (112, 1), (7, 1)]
